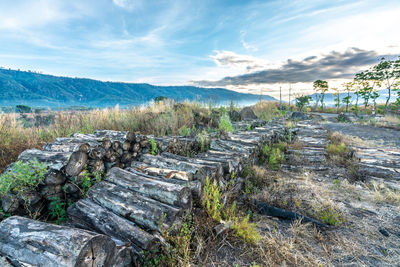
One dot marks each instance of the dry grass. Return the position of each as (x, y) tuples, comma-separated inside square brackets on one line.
[(267, 110), (159, 119), (383, 194)]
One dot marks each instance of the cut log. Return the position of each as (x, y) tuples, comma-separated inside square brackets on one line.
[(28, 242), (106, 143), (164, 172), (199, 171), (97, 153), (76, 163), (168, 193), (143, 211), (126, 145), (195, 186), (54, 160), (88, 215), (212, 166)]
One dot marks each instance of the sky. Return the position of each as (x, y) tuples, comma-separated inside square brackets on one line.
[(247, 46)]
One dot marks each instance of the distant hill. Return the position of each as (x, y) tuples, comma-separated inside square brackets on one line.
[(40, 90)]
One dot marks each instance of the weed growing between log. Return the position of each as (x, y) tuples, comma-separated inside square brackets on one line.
[(225, 125), (58, 210), (273, 156), (23, 176), (185, 131), (153, 147), (229, 215)]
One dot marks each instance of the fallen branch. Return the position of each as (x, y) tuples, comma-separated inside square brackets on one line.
[(265, 209)]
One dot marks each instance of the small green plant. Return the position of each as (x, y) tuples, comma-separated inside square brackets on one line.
[(212, 199), (336, 182), (225, 124), (86, 181), (22, 176), (185, 131), (338, 150), (273, 156), (330, 216), (5, 214), (153, 147), (58, 210)]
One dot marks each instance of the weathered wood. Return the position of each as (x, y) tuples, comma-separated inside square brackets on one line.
[(88, 215), (54, 160), (126, 145), (164, 172), (97, 153), (76, 163), (212, 167), (199, 171), (169, 193), (144, 211), (195, 186), (31, 243)]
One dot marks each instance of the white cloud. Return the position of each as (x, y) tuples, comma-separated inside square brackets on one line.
[(128, 4)]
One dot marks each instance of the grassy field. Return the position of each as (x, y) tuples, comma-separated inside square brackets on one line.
[(163, 118)]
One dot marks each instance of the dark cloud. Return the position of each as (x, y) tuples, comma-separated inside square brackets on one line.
[(334, 65)]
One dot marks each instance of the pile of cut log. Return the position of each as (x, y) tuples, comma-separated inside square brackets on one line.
[(126, 211), (68, 159)]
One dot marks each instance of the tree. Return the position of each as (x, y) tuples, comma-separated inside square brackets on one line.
[(348, 88), (160, 98), (302, 102), (336, 99), (322, 87), (388, 73), (23, 109)]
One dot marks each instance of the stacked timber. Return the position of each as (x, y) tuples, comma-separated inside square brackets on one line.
[(132, 208), (25, 242), (69, 160)]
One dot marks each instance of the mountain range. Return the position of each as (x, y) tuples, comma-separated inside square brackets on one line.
[(41, 90)]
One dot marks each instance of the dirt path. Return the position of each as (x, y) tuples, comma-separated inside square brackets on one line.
[(376, 136)]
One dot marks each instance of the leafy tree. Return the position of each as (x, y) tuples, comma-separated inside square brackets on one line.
[(347, 99), (302, 102), (159, 99), (337, 98), (388, 73), (322, 87), (365, 88), (23, 109)]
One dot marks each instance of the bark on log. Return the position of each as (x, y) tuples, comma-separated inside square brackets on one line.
[(213, 167), (168, 193), (195, 186), (28, 242), (88, 215), (54, 160), (199, 171), (143, 211), (76, 163), (164, 172)]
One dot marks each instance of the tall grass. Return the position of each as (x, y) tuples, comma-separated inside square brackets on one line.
[(162, 118)]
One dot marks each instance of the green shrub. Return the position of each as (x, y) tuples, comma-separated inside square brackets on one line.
[(153, 147), (330, 216), (212, 201), (185, 131), (58, 211), (225, 124), (338, 150), (273, 156), (22, 176)]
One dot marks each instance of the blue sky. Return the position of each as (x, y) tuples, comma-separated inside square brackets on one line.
[(198, 42)]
